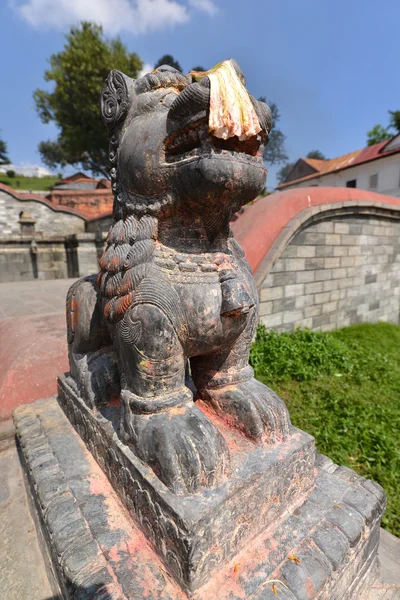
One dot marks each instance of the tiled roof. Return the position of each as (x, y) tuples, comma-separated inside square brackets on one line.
[(323, 167)]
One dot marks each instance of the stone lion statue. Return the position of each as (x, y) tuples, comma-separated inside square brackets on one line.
[(170, 317)]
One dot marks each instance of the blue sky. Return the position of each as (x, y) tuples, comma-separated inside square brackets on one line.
[(332, 67)]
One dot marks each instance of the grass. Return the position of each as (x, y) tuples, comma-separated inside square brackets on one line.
[(343, 388), (19, 182)]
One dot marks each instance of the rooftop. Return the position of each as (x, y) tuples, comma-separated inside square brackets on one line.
[(323, 167)]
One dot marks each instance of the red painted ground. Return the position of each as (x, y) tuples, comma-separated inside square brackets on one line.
[(33, 351)]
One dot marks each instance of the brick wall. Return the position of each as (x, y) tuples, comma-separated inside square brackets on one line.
[(91, 203), (335, 273)]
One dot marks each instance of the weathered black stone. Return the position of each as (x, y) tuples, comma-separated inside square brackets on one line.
[(92, 555), (349, 521)]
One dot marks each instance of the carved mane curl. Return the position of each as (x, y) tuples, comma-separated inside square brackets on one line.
[(129, 250)]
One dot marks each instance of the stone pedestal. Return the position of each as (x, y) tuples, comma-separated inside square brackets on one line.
[(281, 525)]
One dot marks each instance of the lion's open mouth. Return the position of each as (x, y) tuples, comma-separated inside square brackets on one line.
[(195, 141)]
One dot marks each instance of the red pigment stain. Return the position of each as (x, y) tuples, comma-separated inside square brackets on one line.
[(309, 587)]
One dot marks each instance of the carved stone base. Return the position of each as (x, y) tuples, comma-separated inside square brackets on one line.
[(325, 548), (196, 534)]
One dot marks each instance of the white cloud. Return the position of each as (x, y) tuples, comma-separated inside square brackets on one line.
[(136, 16), (147, 68), (207, 6)]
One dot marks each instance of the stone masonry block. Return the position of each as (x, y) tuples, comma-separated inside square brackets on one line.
[(292, 316), (351, 240), (323, 274), (332, 263), (313, 311), (293, 290), (325, 227), (322, 298), (303, 301), (273, 320), (305, 276), (329, 307), (283, 304), (342, 228), (294, 264), (304, 324), (328, 286), (339, 273), (316, 239), (273, 293), (280, 279), (333, 239), (321, 320), (322, 251), (265, 308), (314, 263), (306, 251)]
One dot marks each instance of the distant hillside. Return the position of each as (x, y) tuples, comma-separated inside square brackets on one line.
[(20, 182)]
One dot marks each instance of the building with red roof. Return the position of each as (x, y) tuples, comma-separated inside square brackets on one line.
[(91, 197), (375, 168)]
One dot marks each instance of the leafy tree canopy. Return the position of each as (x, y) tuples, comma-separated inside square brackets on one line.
[(394, 120), (380, 134), (377, 134), (78, 72), (284, 171), (199, 68), (167, 59), (275, 152), (4, 160), (316, 154)]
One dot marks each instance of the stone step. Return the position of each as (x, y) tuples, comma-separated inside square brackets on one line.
[(323, 549)]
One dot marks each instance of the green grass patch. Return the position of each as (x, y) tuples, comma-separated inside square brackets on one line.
[(19, 182), (343, 388)]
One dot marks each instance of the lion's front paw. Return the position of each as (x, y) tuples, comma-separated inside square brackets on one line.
[(253, 408), (182, 446)]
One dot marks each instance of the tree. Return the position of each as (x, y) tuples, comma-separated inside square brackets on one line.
[(377, 134), (284, 171), (200, 69), (394, 120), (78, 72), (380, 134), (4, 160), (275, 152), (167, 59), (316, 154)]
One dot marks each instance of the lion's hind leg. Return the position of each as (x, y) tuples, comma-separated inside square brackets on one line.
[(92, 359)]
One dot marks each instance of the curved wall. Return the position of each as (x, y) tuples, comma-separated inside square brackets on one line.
[(330, 264)]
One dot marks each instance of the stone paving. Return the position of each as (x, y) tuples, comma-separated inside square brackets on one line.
[(28, 298), (23, 567)]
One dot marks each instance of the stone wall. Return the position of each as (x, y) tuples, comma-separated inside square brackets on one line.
[(49, 220), (100, 224), (335, 272), (25, 257), (22, 261)]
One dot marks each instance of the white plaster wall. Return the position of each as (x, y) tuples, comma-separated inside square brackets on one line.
[(388, 170)]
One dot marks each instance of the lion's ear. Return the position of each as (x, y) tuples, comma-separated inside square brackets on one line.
[(115, 98)]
